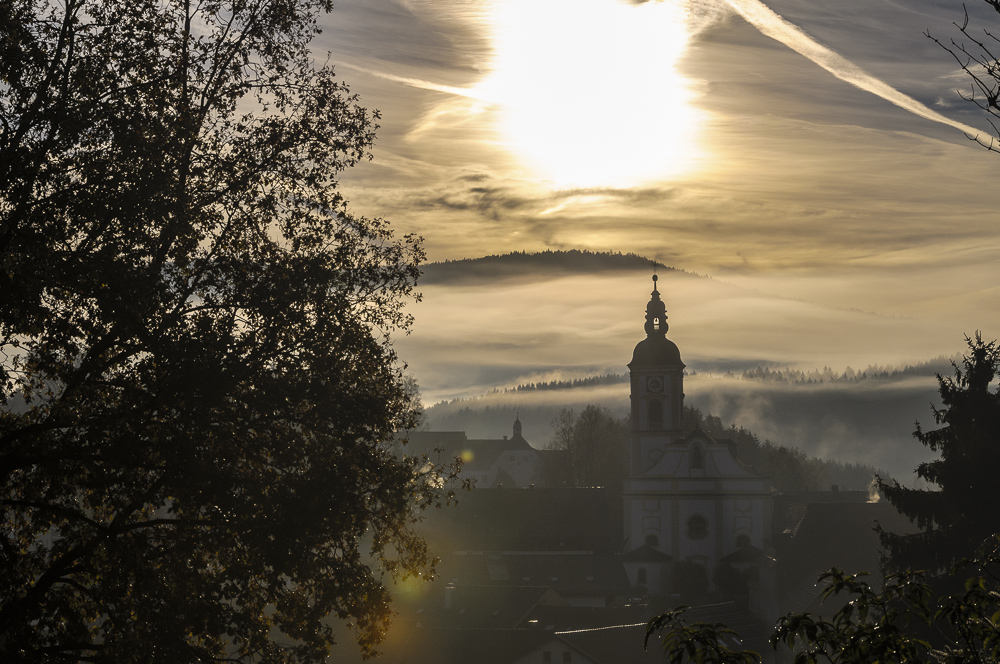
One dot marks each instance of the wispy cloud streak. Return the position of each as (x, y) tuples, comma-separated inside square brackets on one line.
[(774, 26), (417, 82)]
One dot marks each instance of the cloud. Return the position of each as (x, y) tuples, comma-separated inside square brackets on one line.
[(774, 26), (420, 84), (868, 422), (469, 339), (812, 189)]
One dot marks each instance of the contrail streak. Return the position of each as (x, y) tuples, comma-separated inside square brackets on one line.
[(416, 82), (771, 24), (774, 26)]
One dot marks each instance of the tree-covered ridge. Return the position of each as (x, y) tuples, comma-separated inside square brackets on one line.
[(849, 375), (521, 263), (589, 381), (790, 469), (759, 373)]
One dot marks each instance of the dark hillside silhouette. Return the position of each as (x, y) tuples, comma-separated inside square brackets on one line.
[(515, 264)]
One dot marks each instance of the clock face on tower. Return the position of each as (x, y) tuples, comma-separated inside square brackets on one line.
[(654, 384)]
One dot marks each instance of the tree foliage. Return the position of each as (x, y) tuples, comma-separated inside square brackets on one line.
[(958, 516), (597, 443), (979, 59), (194, 334), (901, 622), (869, 627), (701, 643)]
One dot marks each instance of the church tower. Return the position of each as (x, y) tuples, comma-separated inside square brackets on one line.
[(690, 504), (657, 380)]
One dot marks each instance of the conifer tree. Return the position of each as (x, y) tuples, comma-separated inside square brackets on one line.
[(958, 516)]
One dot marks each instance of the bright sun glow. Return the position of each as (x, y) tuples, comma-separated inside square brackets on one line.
[(588, 90)]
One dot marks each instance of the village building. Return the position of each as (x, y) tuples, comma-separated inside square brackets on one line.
[(511, 463)]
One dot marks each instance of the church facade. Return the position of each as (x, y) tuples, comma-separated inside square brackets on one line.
[(689, 503)]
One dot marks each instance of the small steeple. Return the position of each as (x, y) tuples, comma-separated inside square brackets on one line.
[(656, 313), (517, 426)]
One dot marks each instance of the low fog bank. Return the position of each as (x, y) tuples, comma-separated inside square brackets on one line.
[(468, 339), (867, 422), (864, 420)]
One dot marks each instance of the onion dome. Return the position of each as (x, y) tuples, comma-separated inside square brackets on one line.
[(656, 350)]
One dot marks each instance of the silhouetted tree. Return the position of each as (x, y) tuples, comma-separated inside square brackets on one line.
[(696, 642), (962, 513), (977, 56), (597, 443), (900, 621), (195, 330)]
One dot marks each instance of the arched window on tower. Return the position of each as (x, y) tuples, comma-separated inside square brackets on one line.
[(654, 414), (697, 457)]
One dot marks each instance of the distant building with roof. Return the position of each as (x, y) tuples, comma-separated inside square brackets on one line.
[(494, 463), (830, 534)]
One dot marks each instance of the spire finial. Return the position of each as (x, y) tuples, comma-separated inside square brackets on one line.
[(656, 311)]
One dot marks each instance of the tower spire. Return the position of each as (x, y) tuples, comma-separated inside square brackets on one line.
[(656, 312)]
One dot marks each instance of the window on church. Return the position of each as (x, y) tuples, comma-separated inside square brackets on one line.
[(697, 457), (697, 527), (654, 414)]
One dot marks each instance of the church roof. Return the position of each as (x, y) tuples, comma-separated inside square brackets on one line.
[(571, 574), (537, 519), (656, 351), (745, 554), (838, 535), (440, 645), (475, 606), (476, 454), (623, 643)]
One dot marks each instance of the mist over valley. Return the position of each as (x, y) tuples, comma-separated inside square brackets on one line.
[(836, 383)]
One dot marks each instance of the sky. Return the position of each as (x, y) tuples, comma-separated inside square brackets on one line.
[(812, 162)]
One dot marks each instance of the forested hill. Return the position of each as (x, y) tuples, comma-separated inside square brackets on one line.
[(547, 263), (940, 365)]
